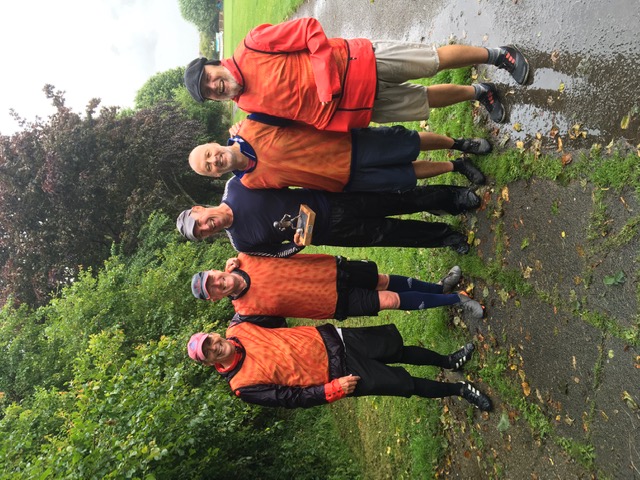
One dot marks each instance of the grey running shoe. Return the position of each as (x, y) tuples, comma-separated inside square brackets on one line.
[(491, 101), (478, 146), (468, 169), (451, 279), (475, 397), (462, 356), (513, 61), (470, 306)]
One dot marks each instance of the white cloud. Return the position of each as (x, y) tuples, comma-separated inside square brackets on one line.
[(98, 48)]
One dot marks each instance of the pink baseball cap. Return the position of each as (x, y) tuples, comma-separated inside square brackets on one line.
[(194, 347)]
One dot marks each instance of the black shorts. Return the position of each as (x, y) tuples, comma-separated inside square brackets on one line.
[(382, 159), (357, 295), (368, 351)]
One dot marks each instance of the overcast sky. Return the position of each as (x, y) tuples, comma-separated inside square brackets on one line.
[(88, 48)]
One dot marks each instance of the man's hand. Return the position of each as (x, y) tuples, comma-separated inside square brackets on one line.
[(348, 383), (235, 128), (232, 264), (297, 238)]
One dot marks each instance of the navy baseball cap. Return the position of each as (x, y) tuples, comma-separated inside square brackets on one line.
[(193, 76), (199, 285)]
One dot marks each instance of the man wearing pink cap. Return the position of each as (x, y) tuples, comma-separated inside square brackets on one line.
[(275, 366)]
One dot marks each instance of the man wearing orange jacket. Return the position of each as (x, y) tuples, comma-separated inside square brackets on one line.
[(274, 366), (265, 153), (321, 287), (292, 70)]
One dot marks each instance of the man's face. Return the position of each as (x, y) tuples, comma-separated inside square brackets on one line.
[(216, 349), (212, 159), (221, 284), (217, 83), (209, 221)]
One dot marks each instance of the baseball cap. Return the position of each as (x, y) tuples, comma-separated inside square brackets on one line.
[(186, 224), (193, 76), (199, 284), (194, 347)]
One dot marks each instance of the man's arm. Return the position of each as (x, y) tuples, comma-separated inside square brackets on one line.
[(294, 36), (298, 397), (282, 250), (265, 321)]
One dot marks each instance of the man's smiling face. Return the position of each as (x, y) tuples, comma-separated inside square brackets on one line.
[(217, 83)]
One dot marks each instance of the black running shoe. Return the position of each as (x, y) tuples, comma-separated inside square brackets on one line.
[(462, 356), (478, 146), (475, 397), (458, 243), (490, 100), (468, 169), (513, 61), (466, 200), (451, 279)]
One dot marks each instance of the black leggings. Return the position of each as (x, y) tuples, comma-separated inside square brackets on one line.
[(422, 386)]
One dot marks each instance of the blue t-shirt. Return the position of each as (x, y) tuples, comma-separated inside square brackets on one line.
[(255, 211)]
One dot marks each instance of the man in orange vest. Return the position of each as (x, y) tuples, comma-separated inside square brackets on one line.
[(292, 70), (322, 287), (383, 159), (274, 366)]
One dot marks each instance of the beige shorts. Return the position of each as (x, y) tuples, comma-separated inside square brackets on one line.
[(396, 63)]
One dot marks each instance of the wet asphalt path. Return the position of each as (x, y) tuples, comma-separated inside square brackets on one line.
[(584, 54)]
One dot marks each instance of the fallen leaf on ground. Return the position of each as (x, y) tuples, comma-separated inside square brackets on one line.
[(555, 55), (503, 424), (559, 144), (566, 159), (609, 147), (561, 87), (526, 389), (504, 295), (517, 127), (629, 401), (624, 123), (554, 131), (624, 203), (504, 194)]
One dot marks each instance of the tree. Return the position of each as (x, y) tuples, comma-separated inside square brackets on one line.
[(98, 384), (202, 13), (168, 86), (72, 185), (160, 87)]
